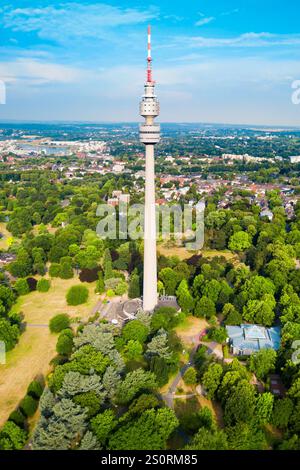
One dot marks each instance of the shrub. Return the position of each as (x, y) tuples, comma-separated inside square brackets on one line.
[(89, 275), (112, 283), (43, 285), (110, 293), (32, 282), (66, 270), (121, 288), (54, 270), (226, 353), (29, 405), (22, 287), (17, 417), (77, 295), (64, 344), (59, 322), (35, 389), (12, 437)]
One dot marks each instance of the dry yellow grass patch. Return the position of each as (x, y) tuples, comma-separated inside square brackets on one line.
[(191, 327), (181, 252), (36, 347)]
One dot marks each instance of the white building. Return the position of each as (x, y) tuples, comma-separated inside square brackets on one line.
[(295, 159)]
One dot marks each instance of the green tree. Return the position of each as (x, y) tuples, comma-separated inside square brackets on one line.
[(184, 297), (59, 322), (246, 437), (88, 258), (64, 343), (212, 378), (65, 424), (9, 334), (66, 270), (43, 285), (90, 401), (100, 286), (103, 424), (240, 406), (159, 345), (170, 280), (239, 241), (208, 439), (133, 350), (282, 412), (22, 287), (54, 270), (77, 295), (89, 442), (262, 363), (133, 383), (149, 432), (264, 408), (12, 437), (190, 376), (134, 287), (107, 265), (135, 330), (205, 308)]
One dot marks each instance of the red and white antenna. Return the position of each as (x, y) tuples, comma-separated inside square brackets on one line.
[(149, 58)]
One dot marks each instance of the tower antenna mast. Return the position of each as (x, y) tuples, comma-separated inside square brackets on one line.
[(149, 58)]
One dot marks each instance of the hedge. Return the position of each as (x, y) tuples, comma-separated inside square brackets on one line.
[(29, 405), (17, 417), (35, 389)]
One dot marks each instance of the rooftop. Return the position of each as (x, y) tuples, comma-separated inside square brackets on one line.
[(246, 339)]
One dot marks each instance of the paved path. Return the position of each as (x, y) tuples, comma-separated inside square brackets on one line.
[(213, 348), (170, 395)]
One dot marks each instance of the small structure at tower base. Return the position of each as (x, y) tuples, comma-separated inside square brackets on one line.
[(120, 313)]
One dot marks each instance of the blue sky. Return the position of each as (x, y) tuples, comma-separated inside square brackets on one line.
[(230, 61)]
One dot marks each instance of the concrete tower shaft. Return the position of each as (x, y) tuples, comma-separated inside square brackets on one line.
[(149, 135)]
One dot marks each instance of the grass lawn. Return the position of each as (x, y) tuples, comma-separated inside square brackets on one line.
[(191, 327), (6, 234), (182, 253), (36, 346)]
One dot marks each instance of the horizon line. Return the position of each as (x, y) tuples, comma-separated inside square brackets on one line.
[(203, 123)]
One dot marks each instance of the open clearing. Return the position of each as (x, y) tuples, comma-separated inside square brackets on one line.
[(36, 346), (183, 254), (6, 234), (190, 329)]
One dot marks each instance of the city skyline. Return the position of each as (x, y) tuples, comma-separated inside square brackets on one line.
[(220, 63)]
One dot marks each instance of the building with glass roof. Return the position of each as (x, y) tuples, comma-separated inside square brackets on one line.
[(248, 339)]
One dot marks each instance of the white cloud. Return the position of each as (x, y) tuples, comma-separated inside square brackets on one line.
[(204, 21), (74, 20), (231, 12), (34, 72), (251, 39)]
